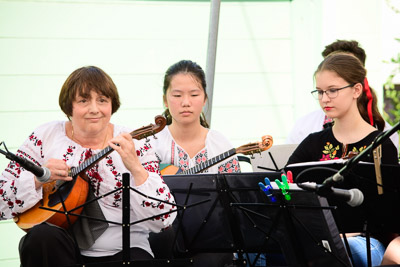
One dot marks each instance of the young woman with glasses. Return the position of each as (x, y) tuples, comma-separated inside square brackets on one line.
[(343, 93), (316, 120)]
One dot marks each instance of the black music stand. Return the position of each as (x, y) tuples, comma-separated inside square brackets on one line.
[(125, 226), (240, 219), (381, 212), (378, 215)]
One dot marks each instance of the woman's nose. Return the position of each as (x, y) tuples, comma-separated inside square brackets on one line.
[(185, 101), (93, 106), (325, 97)]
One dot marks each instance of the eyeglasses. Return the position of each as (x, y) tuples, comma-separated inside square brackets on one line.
[(331, 93)]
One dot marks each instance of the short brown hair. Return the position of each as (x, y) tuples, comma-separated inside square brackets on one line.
[(84, 80)]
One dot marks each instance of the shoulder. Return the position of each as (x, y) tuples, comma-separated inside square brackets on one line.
[(314, 140), (216, 142), (389, 151), (45, 136), (309, 123), (308, 149), (50, 128), (161, 138), (164, 133), (214, 136), (321, 135), (370, 137), (394, 137)]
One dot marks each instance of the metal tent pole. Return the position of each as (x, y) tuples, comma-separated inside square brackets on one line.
[(211, 55)]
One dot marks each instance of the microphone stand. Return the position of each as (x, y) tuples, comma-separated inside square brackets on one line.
[(338, 177), (6, 153)]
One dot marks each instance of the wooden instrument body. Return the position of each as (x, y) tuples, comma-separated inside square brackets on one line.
[(171, 170), (78, 191)]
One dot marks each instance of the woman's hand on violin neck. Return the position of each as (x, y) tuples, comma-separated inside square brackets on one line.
[(125, 147)]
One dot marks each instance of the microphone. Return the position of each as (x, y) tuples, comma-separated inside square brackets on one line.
[(42, 173), (331, 181), (354, 197)]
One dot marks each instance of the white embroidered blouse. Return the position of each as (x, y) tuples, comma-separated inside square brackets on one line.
[(18, 193), (170, 153)]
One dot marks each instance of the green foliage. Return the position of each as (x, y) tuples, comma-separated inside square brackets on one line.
[(392, 94)]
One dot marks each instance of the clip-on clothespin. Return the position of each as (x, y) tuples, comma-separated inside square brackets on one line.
[(377, 162), (289, 177), (283, 187), (267, 189)]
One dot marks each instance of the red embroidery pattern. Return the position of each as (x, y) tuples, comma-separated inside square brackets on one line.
[(14, 168), (231, 166), (37, 142), (159, 205), (27, 156), (183, 158), (142, 150), (69, 153), (92, 173), (118, 181), (152, 166), (201, 157), (172, 152), (8, 200)]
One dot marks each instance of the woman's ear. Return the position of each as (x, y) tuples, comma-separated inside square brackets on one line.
[(205, 99), (358, 90), (165, 101)]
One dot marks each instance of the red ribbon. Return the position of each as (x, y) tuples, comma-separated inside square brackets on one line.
[(367, 90)]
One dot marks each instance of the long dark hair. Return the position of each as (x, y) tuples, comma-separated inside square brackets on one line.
[(186, 67), (352, 71)]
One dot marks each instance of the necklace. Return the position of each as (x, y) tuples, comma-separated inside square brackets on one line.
[(104, 141)]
